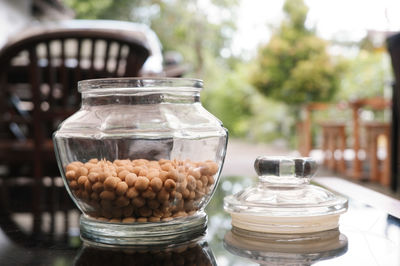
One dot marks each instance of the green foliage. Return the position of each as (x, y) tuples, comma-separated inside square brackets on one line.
[(242, 109), (365, 76), (294, 67)]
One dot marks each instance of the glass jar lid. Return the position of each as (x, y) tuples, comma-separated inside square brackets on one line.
[(284, 201)]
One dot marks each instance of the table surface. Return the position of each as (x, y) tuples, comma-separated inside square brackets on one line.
[(369, 235)]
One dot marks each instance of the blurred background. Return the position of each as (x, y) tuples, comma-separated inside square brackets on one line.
[(287, 77)]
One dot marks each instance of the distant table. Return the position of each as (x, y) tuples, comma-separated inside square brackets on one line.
[(369, 235)]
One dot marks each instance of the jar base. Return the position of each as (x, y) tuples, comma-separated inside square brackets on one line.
[(143, 234)]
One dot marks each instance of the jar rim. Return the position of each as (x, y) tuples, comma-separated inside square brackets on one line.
[(140, 84)]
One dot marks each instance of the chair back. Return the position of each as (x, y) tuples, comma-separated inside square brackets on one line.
[(39, 75)]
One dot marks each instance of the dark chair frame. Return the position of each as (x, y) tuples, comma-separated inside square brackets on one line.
[(37, 148)]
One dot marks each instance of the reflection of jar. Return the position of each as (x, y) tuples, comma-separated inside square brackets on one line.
[(286, 249), (141, 158), (188, 253)]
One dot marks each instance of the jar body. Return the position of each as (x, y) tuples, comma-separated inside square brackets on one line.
[(140, 151)]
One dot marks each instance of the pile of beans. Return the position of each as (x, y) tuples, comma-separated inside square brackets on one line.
[(184, 255), (140, 190)]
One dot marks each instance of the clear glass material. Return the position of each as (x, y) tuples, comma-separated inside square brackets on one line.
[(140, 152), (284, 249), (284, 201)]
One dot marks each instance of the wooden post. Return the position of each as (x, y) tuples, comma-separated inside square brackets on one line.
[(356, 143)]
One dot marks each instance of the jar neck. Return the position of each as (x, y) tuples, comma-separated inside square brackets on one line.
[(139, 97)]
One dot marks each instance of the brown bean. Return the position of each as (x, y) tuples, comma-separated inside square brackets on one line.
[(131, 179), (195, 172), (83, 171), (149, 194), (84, 195), (177, 195), (163, 195), (211, 180), (94, 160), (129, 220), (121, 188), (116, 212), (143, 172), (167, 219), (93, 177), (186, 193), (157, 213), (142, 183), (127, 211), (166, 166), (145, 211), (132, 193), (141, 220), (199, 194), (169, 185), (122, 174), (163, 161), (89, 165), (154, 219), (179, 214), (72, 167), (199, 184), (181, 177), (189, 205), (181, 186), (95, 169), (153, 173), (192, 195), (191, 182), (154, 165), (106, 204), (88, 186), (94, 196), (163, 175), (102, 219), (136, 170), (98, 187), (73, 185), (107, 195), (111, 183), (115, 220), (173, 174), (70, 175), (122, 201), (212, 167), (138, 202), (82, 180), (156, 184), (204, 180), (153, 204), (102, 176), (129, 168)]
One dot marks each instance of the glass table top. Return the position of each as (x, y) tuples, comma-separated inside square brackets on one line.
[(367, 235)]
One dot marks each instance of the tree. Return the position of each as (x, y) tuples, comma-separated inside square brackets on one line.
[(199, 31), (294, 67)]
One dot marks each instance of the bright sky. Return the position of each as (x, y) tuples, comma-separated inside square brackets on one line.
[(334, 19)]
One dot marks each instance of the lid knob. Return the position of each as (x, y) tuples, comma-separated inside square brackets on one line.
[(281, 170)]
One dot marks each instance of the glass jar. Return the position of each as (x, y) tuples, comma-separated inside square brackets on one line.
[(284, 201), (141, 159)]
